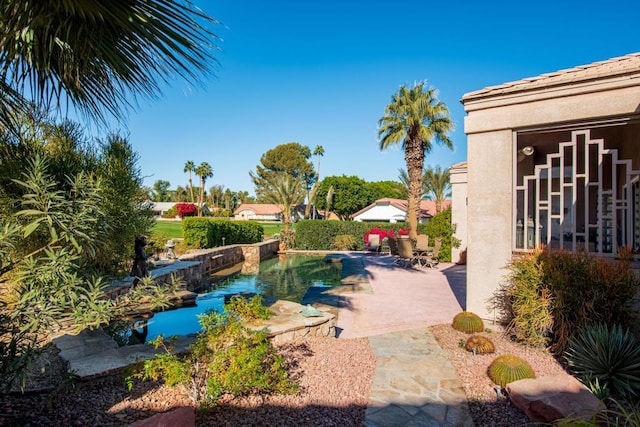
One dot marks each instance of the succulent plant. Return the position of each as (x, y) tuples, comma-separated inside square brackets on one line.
[(479, 344), (468, 322), (607, 355), (508, 368)]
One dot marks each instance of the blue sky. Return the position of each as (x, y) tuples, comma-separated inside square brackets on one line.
[(322, 72)]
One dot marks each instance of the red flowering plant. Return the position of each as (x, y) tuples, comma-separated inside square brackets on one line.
[(404, 231), (380, 232), (186, 209)]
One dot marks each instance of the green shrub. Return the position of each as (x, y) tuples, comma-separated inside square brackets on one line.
[(441, 226), (509, 368), (552, 294), (248, 310), (467, 322), (226, 358), (526, 301), (479, 344), (344, 242), (603, 355), (208, 232)]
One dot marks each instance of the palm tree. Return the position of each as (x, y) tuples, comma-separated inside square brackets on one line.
[(437, 186), (415, 118), (285, 191), (101, 57), (318, 151), (190, 167), (404, 178), (204, 171), (328, 202)]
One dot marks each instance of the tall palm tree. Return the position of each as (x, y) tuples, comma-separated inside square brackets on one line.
[(415, 118), (437, 186), (285, 191), (101, 57), (319, 152), (203, 171), (190, 167)]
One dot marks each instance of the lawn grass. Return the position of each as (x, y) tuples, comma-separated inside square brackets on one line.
[(271, 228), (171, 229)]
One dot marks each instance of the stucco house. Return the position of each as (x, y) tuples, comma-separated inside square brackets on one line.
[(554, 160), (395, 210), (161, 208), (258, 212)]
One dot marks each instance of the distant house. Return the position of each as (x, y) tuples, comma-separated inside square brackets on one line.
[(395, 210), (161, 208), (258, 212)]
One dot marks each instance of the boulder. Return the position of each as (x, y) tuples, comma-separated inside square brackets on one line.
[(549, 398), (184, 417)]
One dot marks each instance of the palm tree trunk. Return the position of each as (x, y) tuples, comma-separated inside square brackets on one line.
[(414, 156), (191, 186)]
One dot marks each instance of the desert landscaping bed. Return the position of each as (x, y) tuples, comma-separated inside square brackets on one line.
[(486, 406), (334, 374)]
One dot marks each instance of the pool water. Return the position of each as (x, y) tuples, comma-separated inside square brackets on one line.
[(287, 277)]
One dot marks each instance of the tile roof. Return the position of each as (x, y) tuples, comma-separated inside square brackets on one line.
[(427, 207), (621, 66), (259, 208)]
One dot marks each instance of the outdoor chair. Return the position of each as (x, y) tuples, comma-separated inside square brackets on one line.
[(374, 243), (422, 245), (430, 259), (405, 253)]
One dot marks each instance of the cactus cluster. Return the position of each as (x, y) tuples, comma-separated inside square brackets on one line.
[(509, 368), (479, 344), (468, 322)]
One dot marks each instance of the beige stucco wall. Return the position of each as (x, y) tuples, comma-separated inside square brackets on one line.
[(459, 192), (489, 126), (489, 213)]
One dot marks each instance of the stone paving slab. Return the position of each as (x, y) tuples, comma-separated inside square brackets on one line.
[(414, 384)]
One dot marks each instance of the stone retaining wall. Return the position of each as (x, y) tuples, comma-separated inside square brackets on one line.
[(196, 266)]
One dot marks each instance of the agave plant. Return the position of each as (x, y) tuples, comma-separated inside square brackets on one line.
[(608, 355)]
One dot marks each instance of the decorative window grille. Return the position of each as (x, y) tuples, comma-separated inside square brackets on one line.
[(582, 196)]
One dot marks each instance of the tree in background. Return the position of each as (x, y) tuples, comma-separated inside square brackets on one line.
[(203, 171), (350, 194), (392, 189), (437, 185), (179, 194), (190, 167), (161, 191), (284, 190), (415, 118), (101, 57), (291, 159)]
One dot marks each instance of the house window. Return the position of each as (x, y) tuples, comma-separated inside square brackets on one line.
[(575, 190)]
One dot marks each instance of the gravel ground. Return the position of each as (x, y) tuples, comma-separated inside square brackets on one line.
[(334, 374), (487, 408)]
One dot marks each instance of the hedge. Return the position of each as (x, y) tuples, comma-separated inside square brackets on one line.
[(208, 232), (320, 235)]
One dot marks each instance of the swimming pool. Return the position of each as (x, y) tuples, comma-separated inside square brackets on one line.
[(286, 277)]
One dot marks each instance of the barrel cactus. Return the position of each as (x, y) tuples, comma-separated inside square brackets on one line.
[(479, 344), (468, 322), (508, 368)]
